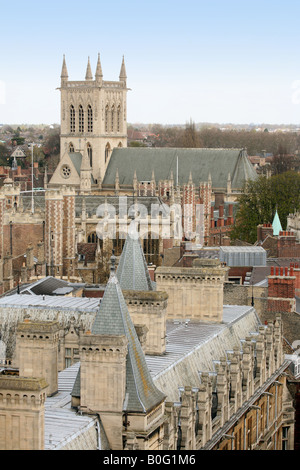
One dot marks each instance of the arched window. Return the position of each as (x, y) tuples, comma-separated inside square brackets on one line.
[(72, 118), (112, 118), (107, 150), (106, 118), (92, 238), (81, 119), (71, 148), (90, 153), (90, 119), (119, 118)]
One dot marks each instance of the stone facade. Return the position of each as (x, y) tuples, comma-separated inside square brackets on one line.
[(22, 411), (194, 293)]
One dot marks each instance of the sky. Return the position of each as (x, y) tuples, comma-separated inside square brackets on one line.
[(208, 61)]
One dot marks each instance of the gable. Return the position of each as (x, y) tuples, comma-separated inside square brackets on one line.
[(67, 171)]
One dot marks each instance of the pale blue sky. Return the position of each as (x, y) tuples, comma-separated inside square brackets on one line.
[(214, 61)]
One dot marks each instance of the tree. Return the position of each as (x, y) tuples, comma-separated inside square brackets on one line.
[(259, 201), (52, 143), (4, 154), (190, 137)]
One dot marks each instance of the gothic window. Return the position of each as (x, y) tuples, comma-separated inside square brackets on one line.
[(107, 149), (106, 118), (72, 118), (112, 118), (71, 148), (119, 118), (81, 119), (90, 153), (92, 238), (90, 119)]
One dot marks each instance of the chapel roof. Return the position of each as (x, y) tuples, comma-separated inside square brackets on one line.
[(201, 163)]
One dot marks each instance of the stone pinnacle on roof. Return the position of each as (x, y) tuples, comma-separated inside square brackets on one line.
[(64, 71), (123, 75), (113, 318), (99, 73), (88, 75), (132, 270)]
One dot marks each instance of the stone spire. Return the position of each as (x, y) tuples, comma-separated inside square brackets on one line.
[(99, 74), (64, 72), (89, 75), (113, 318), (123, 76), (132, 270)]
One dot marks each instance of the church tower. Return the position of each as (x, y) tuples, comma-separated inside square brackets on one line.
[(93, 111)]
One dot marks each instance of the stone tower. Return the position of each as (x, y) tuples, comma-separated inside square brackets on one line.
[(93, 114), (37, 351)]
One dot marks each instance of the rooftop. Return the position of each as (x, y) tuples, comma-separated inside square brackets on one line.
[(196, 345)]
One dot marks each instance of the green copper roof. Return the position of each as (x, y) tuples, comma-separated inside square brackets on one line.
[(113, 319), (218, 163), (276, 224), (132, 271)]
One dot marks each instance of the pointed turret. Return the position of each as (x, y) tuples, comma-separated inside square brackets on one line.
[(113, 318), (89, 75), (64, 71), (190, 178), (132, 270), (123, 76), (276, 224), (99, 74)]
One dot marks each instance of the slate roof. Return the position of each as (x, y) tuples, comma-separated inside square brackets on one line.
[(125, 203), (113, 318), (201, 162), (132, 271)]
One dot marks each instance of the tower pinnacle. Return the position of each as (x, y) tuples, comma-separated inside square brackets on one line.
[(123, 75), (64, 72), (88, 75), (99, 73)]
